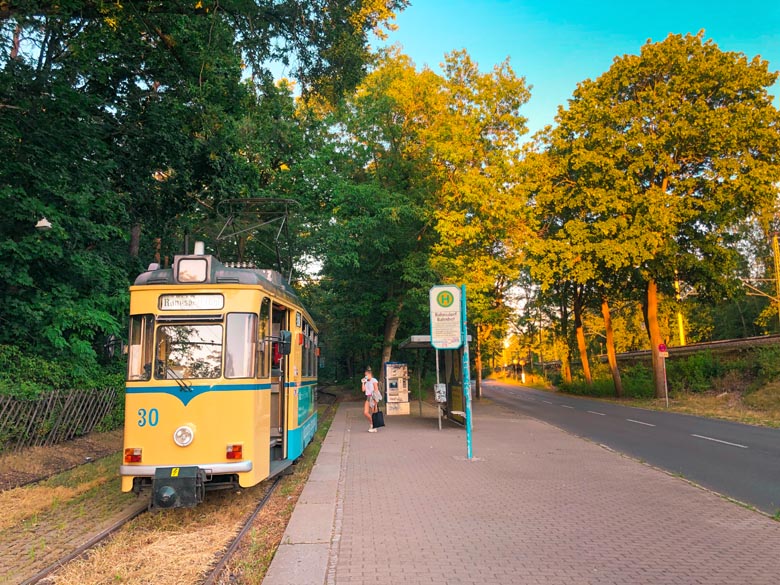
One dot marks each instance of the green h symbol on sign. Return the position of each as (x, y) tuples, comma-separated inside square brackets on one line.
[(445, 298)]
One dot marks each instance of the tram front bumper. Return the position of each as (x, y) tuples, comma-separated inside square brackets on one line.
[(209, 468), (178, 487)]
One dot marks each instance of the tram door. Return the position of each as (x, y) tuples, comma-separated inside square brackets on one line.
[(279, 321)]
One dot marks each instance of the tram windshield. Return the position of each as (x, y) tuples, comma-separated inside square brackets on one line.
[(188, 351)]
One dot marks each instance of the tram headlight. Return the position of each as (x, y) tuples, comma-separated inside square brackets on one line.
[(183, 436)]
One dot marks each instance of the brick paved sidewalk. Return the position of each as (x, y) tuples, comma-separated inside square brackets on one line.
[(537, 505)]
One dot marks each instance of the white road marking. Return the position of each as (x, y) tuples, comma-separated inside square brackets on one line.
[(547, 401), (598, 413), (720, 441), (639, 422), (566, 406)]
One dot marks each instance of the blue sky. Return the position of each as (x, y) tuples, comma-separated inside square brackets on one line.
[(555, 44)]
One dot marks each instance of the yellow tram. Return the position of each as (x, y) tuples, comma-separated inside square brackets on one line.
[(221, 383)]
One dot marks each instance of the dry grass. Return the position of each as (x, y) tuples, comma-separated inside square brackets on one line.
[(168, 547), (179, 546), (25, 502), (250, 563), (733, 406), (33, 463), (766, 399)]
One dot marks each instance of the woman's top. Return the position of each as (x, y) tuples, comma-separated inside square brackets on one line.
[(368, 386)]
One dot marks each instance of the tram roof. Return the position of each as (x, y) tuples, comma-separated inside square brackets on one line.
[(219, 273)]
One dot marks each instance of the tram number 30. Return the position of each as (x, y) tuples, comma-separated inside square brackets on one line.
[(150, 417)]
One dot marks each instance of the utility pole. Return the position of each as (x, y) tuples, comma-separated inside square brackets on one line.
[(680, 325)]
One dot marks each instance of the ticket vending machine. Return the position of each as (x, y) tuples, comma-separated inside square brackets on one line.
[(397, 388)]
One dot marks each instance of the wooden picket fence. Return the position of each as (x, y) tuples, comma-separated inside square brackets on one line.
[(57, 416)]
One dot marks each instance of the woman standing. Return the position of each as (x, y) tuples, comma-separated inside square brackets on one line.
[(369, 385)]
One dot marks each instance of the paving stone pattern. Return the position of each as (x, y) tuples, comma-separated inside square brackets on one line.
[(535, 506)]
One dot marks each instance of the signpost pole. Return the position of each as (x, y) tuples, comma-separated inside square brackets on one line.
[(438, 404), (466, 372), (663, 353), (666, 386)]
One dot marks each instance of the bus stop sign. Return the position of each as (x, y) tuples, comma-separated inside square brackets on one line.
[(445, 304)]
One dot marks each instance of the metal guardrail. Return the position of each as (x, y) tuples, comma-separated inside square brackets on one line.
[(721, 346)]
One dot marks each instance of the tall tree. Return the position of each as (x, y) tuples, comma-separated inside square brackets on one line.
[(480, 215), (125, 119), (671, 148)]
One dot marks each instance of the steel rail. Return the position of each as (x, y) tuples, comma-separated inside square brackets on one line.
[(216, 572), (98, 538)]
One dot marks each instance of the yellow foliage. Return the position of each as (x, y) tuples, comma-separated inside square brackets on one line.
[(377, 14)]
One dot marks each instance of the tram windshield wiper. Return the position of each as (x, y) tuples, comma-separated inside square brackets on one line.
[(180, 382)]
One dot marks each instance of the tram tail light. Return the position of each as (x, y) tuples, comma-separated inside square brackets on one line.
[(300, 339), (235, 452), (133, 455)]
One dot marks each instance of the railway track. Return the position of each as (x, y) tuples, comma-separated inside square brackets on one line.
[(217, 569), (214, 574), (91, 543), (213, 577)]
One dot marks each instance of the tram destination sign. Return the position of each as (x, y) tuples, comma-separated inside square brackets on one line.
[(445, 317), (204, 302)]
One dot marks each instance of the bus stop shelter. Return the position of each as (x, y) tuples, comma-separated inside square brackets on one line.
[(449, 372)]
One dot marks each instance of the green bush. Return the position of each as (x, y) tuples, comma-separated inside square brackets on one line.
[(24, 375), (767, 363), (599, 388), (637, 383), (27, 376), (693, 373)]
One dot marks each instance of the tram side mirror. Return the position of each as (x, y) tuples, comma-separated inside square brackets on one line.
[(285, 342)]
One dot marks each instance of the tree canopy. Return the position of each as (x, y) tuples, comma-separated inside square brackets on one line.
[(132, 126), (652, 166)]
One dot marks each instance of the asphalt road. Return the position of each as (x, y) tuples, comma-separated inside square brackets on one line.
[(736, 460)]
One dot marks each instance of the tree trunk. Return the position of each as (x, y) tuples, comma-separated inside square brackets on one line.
[(16, 41), (580, 333), (654, 332), (611, 354), (392, 321), (565, 364), (135, 240)]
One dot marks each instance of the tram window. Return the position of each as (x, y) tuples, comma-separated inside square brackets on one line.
[(264, 351), (312, 354), (192, 270), (140, 348), (305, 351), (241, 345), (308, 351), (188, 351)]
